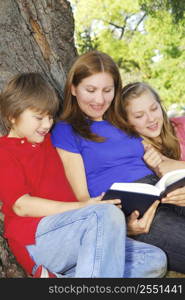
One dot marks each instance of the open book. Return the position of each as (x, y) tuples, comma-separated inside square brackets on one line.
[(139, 196)]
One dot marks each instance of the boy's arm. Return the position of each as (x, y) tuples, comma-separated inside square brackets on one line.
[(28, 206)]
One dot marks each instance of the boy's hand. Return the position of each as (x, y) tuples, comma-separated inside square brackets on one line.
[(98, 200)]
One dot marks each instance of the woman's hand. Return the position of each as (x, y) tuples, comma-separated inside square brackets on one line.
[(176, 197), (137, 226)]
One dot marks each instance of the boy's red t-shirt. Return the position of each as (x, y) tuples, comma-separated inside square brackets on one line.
[(34, 169)]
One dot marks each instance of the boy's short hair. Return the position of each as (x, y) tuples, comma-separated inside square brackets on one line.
[(27, 91)]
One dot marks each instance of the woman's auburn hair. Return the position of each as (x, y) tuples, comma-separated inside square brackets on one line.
[(169, 144), (86, 65)]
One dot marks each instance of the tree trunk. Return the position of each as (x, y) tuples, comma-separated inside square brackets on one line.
[(35, 36)]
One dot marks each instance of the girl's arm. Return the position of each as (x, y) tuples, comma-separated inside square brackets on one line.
[(160, 163), (28, 206), (75, 172), (169, 164)]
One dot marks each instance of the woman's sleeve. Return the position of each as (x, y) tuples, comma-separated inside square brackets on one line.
[(12, 180), (62, 136)]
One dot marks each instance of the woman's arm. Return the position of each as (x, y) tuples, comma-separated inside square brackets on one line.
[(75, 172)]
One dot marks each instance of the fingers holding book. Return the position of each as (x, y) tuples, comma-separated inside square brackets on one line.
[(136, 225), (98, 199), (176, 197), (117, 202)]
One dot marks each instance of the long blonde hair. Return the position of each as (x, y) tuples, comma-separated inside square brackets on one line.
[(88, 64), (168, 145)]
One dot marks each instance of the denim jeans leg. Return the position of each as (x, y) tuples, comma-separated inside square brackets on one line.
[(88, 242), (144, 260)]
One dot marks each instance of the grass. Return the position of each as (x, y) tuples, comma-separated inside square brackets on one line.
[(172, 274)]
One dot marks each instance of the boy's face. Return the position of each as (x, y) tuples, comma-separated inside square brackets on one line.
[(31, 125)]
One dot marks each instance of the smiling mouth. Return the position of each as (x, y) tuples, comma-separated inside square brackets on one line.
[(42, 133), (153, 126), (97, 108)]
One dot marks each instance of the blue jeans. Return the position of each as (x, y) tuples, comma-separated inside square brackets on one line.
[(91, 242)]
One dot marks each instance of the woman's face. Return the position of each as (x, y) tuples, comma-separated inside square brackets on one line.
[(94, 94), (145, 114)]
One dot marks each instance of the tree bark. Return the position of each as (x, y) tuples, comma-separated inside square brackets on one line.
[(35, 36)]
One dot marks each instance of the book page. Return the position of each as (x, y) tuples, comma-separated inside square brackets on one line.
[(170, 178), (142, 188)]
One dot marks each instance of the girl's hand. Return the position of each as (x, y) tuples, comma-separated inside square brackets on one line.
[(137, 226), (176, 197), (152, 157), (98, 200), (159, 162)]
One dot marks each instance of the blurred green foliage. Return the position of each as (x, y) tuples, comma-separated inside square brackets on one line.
[(146, 38)]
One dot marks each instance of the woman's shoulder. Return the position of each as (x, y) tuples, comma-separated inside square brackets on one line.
[(62, 124), (61, 127), (63, 136)]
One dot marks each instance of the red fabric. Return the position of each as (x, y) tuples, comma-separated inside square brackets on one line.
[(179, 124), (36, 170)]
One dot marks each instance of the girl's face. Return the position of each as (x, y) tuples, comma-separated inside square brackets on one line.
[(31, 125), (145, 114), (94, 94)]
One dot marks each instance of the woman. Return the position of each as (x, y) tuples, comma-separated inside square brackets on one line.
[(90, 138), (164, 141)]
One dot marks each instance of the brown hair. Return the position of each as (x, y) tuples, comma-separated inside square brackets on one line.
[(84, 66), (168, 144), (23, 91)]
